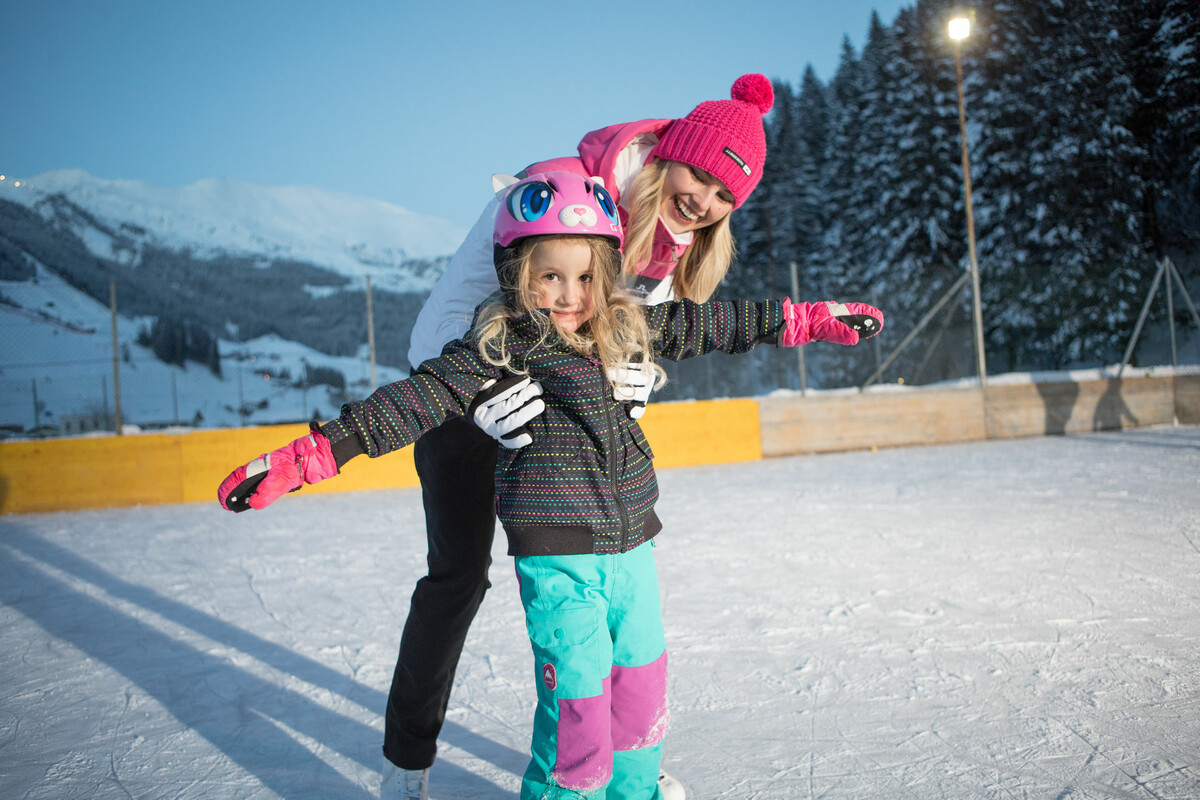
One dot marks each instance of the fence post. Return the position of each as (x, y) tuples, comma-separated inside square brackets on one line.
[(1171, 320), (1187, 298), (371, 335), (112, 303), (958, 284), (1137, 329)]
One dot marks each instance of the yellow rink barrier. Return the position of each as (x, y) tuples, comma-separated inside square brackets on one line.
[(703, 432), (147, 469), (151, 469)]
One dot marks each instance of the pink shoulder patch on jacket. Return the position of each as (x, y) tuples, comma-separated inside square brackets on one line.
[(599, 149)]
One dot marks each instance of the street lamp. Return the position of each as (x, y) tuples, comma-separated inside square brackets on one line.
[(960, 28)]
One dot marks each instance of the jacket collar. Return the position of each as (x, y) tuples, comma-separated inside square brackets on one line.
[(529, 326)]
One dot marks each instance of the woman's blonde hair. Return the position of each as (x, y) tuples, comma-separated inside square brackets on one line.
[(705, 262), (616, 333)]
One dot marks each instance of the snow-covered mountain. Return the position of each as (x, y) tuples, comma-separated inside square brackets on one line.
[(354, 236), (254, 294)]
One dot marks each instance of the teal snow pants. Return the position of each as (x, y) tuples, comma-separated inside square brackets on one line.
[(595, 623)]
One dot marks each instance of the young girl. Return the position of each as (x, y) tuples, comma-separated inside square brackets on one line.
[(676, 182), (577, 503)]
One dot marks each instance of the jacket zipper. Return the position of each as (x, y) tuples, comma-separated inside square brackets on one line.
[(612, 467)]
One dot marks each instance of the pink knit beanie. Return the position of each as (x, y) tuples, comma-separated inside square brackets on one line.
[(725, 137)]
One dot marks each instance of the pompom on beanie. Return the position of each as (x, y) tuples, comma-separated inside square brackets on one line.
[(725, 137)]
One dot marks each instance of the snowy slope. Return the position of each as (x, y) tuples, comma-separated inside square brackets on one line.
[(352, 235), (55, 341), (1006, 619), (62, 340)]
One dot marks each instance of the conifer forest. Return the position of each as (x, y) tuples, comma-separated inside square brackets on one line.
[(1083, 130)]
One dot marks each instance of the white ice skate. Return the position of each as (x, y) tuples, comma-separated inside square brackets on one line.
[(669, 788), (404, 784)]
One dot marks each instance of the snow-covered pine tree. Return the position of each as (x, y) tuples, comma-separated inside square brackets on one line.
[(765, 225), (811, 183), (1013, 171), (817, 273), (1177, 39), (912, 245), (837, 271), (1181, 40), (844, 102), (1087, 235), (1084, 130)]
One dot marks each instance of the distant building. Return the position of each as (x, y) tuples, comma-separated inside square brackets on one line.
[(75, 424)]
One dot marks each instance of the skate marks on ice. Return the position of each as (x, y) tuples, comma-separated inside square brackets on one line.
[(994, 620), (208, 696), (114, 689)]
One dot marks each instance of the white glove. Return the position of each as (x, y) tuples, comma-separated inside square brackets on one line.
[(632, 385), (502, 408)]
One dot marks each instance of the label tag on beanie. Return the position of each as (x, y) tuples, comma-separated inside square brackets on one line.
[(738, 160)]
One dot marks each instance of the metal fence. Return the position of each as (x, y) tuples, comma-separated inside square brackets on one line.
[(61, 374)]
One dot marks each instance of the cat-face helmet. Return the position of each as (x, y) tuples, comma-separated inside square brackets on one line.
[(553, 203)]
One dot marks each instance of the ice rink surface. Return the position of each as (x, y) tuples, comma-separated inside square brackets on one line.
[(1004, 619)]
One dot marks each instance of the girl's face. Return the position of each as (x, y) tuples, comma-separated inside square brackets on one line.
[(692, 199), (561, 280)]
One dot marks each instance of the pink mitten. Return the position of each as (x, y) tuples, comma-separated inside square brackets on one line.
[(841, 323), (264, 480)]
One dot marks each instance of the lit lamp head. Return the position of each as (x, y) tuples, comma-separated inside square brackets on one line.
[(960, 28)]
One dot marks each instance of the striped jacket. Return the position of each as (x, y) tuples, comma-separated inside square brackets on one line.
[(586, 484)]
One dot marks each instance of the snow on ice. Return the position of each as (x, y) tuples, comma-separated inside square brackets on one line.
[(988, 620)]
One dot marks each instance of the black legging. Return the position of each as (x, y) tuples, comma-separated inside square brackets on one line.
[(456, 463)]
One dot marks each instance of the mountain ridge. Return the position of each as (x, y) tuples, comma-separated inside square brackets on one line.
[(353, 236), (264, 287)]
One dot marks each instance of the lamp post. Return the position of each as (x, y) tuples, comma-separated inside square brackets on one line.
[(960, 28)]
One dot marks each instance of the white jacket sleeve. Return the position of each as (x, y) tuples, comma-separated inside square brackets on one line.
[(469, 279), (471, 276), (629, 163)]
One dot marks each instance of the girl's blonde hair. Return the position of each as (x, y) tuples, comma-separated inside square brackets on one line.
[(704, 263), (616, 333)]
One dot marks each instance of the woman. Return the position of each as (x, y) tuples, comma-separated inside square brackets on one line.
[(676, 183), (577, 504)]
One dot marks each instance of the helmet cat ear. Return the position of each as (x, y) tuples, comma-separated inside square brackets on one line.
[(554, 203), (501, 182)]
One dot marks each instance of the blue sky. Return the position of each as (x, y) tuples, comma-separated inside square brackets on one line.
[(412, 103)]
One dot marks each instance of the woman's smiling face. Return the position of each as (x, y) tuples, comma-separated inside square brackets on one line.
[(692, 199)]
